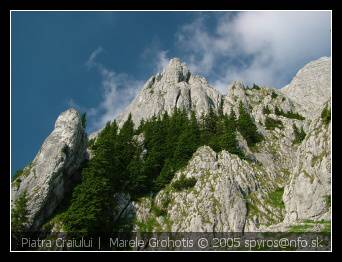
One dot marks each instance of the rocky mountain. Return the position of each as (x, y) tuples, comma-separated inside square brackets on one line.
[(285, 186), (284, 181), (232, 194), (174, 87)]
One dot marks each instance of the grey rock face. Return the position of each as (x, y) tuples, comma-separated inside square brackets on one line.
[(278, 185), (174, 88), (48, 176), (307, 196), (238, 195), (219, 200), (311, 87), (215, 203)]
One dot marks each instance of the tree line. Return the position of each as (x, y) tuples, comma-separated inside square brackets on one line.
[(122, 163)]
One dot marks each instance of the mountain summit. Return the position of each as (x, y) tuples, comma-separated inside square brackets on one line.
[(175, 87), (255, 160), (176, 71)]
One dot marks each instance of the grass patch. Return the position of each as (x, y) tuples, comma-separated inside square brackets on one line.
[(17, 174), (300, 228), (252, 210), (24, 172), (148, 225), (276, 198), (20, 174), (308, 225)]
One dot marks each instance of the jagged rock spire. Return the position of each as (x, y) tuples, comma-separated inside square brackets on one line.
[(176, 71), (48, 177), (174, 88)]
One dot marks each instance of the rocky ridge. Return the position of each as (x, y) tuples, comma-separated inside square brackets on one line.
[(238, 195), (278, 185), (284, 184)]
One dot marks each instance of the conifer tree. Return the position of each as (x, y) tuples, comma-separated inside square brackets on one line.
[(122, 165), (247, 127), (19, 214), (84, 120)]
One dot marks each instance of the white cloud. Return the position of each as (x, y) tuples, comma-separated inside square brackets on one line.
[(262, 47), (266, 48), (118, 90), (71, 103), (155, 57), (91, 60), (162, 60)]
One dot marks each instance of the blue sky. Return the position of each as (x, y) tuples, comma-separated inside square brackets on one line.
[(97, 61)]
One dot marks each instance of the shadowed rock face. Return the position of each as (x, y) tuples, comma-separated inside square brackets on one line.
[(47, 178)]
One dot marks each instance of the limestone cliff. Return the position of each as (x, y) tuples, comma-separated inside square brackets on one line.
[(281, 184), (283, 180), (49, 175), (311, 87)]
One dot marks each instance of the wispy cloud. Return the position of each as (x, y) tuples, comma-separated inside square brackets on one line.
[(261, 47), (266, 48), (162, 60), (71, 103), (156, 57), (91, 60), (117, 89)]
